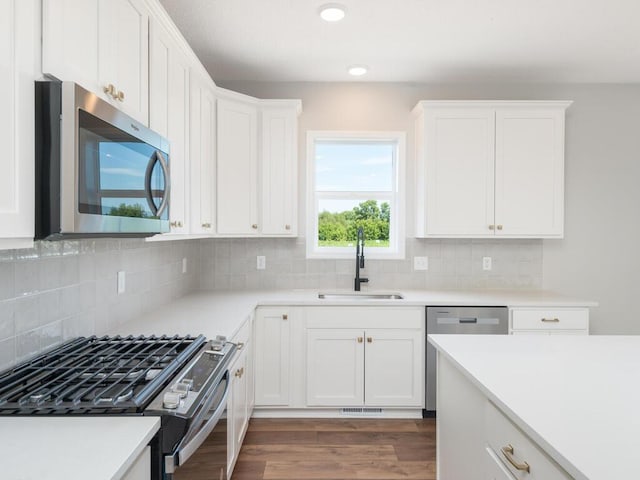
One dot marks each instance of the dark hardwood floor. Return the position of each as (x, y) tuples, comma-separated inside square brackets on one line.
[(331, 449)]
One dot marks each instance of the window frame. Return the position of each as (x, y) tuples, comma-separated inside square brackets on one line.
[(397, 196)]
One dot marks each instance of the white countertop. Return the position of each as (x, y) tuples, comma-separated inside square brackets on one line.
[(72, 448), (222, 313), (577, 397)]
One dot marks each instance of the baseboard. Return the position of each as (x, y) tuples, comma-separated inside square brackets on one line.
[(333, 412)]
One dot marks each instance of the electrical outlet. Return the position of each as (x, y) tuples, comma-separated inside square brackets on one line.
[(121, 282), (486, 263), (421, 263), (184, 265), (261, 262)]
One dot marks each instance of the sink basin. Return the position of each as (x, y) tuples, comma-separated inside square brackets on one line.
[(360, 296)]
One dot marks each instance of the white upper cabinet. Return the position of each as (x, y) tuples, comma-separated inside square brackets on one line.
[(19, 47), (169, 116), (102, 45), (237, 168), (279, 169), (202, 153), (529, 171), (490, 169)]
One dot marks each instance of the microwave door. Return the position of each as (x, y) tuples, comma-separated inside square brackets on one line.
[(163, 186)]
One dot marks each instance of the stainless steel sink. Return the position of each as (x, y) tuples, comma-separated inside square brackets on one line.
[(359, 296)]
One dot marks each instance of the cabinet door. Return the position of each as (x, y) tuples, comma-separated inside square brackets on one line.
[(335, 367), (279, 172), (272, 349), (529, 172), (169, 115), (123, 53), (70, 41), (203, 121), (238, 414), (459, 171), (19, 46), (494, 468), (237, 176), (394, 373)]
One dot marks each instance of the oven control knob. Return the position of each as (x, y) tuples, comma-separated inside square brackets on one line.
[(188, 382), (171, 400), (221, 338), (181, 389)]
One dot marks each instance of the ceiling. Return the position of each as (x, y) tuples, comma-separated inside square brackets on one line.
[(423, 41)]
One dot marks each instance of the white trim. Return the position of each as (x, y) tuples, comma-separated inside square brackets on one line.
[(397, 242), (332, 412)]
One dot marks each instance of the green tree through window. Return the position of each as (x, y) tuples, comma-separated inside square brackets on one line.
[(339, 229)]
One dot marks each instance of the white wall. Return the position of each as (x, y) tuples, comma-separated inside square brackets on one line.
[(597, 259)]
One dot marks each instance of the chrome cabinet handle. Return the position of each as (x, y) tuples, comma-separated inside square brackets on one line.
[(508, 453), (550, 320)]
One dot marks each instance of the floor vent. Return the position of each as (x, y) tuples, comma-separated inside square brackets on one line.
[(362, 412)]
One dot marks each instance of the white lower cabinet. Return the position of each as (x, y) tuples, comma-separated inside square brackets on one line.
[(472, 428), (240, 402), (141, 468), (549, 321), (272, 356), (365, 356)]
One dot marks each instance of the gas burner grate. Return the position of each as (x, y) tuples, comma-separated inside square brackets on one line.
[(96, 374)]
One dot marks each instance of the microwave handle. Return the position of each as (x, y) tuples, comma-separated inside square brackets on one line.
[(157, 156)]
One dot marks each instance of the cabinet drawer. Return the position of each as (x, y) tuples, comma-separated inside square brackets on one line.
[(494, 468), (365, 317), (550, 319), (502, 434)]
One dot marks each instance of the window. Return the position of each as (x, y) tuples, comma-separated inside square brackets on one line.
[(355, 180)]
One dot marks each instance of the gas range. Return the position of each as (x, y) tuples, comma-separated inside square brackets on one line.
[(184, 380)]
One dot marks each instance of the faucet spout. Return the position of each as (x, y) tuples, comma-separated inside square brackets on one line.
[(359, 259)]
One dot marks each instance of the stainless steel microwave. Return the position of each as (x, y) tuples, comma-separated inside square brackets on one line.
[(99, 172)]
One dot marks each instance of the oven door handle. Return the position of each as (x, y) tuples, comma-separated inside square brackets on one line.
[(185, 451)]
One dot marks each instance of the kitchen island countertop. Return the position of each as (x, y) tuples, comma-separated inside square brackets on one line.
[(72, 448), (576, 397)]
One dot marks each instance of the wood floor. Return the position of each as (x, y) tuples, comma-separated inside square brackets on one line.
[(335, 449)]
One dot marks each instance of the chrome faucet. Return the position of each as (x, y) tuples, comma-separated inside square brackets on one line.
[(359, 259)]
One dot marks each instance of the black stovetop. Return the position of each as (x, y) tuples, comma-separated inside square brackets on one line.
[(100, 375)]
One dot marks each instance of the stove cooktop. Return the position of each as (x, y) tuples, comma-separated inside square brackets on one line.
[(100, 375)]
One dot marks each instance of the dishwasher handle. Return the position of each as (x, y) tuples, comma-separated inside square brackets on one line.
[(468, 321)]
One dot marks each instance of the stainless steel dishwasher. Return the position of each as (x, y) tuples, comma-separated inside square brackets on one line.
[(458, 320)]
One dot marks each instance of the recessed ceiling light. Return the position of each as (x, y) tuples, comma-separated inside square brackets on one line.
[(332, 12), (357, 70)]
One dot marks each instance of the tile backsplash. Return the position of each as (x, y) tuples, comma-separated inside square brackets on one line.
[(229, 264), (59, 290)]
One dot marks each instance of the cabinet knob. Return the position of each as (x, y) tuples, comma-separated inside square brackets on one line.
[(369, 340), (120, 96), (287, 227), (254, 226), (285, 316), (206, 225), (240, 345), (360, 339), (239, 372), (176, 223), (492, 227), (110, 90), (499, 227)]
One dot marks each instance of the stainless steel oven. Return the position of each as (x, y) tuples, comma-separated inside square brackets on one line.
[(183, 380), (98, 171)]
